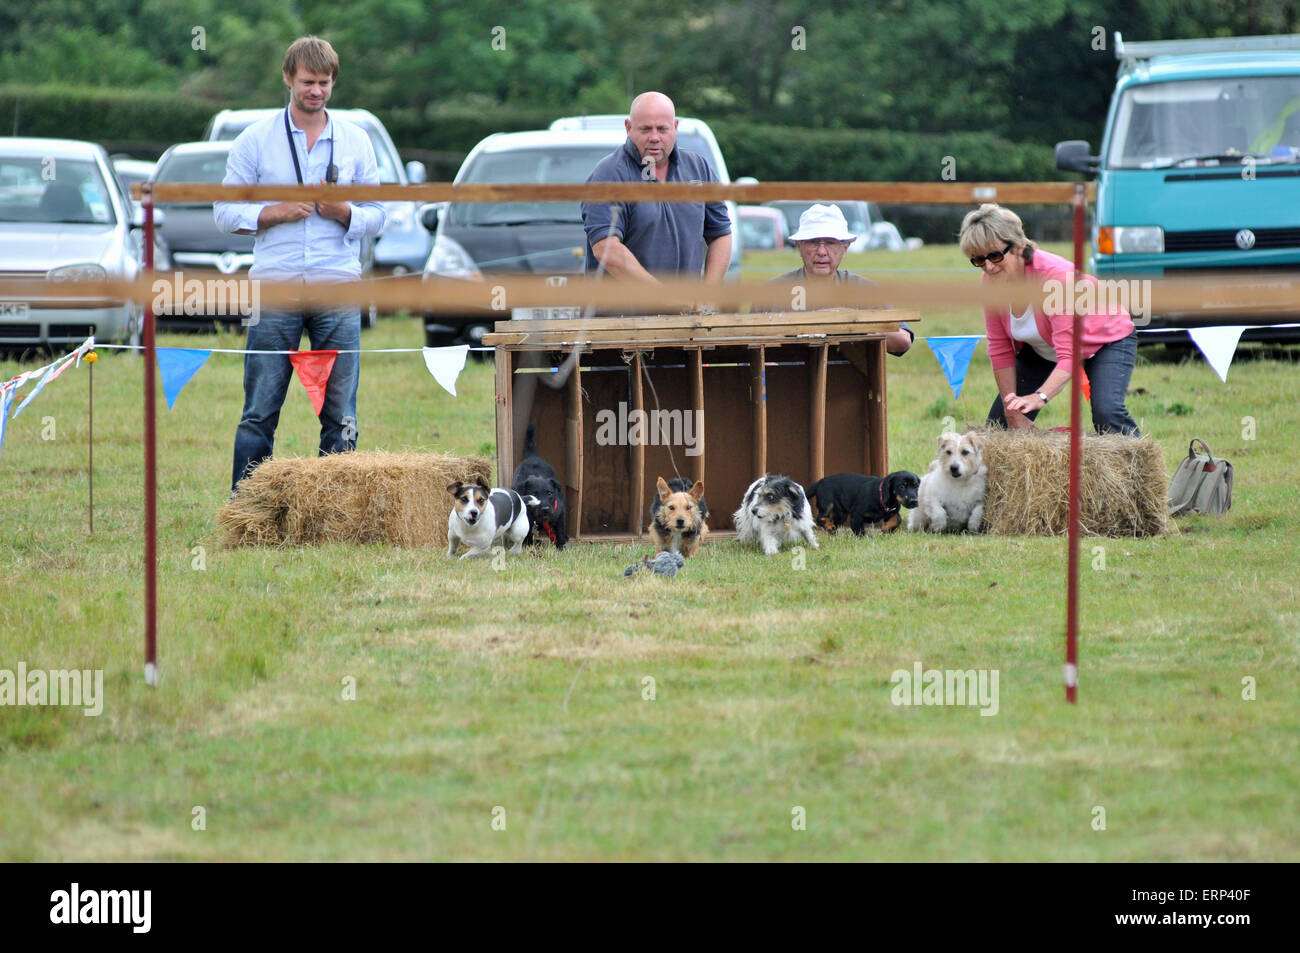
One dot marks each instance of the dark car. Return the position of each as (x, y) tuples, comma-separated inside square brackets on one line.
[(475, 240)]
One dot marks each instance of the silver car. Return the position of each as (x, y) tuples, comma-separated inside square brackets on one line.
[(64, 217)]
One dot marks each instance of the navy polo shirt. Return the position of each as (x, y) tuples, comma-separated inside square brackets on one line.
[(665, 237)]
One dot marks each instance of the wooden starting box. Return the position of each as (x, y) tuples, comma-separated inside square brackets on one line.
[(723, 398)]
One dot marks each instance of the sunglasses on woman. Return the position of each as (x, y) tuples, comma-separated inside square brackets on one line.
[(993, 256)]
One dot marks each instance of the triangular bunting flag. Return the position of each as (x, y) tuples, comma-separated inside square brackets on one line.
[(1218, 345), (6, 398), (177, 366), (954, 354), (314, 369), (445, 364)]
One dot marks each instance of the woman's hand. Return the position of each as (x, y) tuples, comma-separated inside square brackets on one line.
[(1019, 422), (1015, 404)]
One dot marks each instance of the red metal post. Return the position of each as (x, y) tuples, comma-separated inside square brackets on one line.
[(1076, 366), (150, 466), (90, 446)]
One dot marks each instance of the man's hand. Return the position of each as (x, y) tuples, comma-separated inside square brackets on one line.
[(283, 212), (341, 212)]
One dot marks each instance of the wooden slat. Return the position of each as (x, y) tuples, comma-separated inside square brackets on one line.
[(758, 401), (817, 423), (797, 333), (885, 316), (930, 193), (637, 450), (879, 442), (505, 362), (574, 456), (714, 536), (696, 366)]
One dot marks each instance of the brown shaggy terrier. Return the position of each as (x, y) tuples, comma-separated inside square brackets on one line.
[(677, 516)]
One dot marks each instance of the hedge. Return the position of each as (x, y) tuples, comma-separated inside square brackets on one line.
[(101, 114), (767, 152)]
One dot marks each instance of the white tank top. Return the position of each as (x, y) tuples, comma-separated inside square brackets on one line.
[(1024, 328)]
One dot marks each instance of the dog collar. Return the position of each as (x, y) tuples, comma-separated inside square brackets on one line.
[(880, 492), (549, 532)]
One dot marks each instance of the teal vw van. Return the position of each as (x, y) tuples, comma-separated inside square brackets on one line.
[(1199, 168)]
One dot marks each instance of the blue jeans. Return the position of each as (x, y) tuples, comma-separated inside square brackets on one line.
[(1109, 371), (267, 378)]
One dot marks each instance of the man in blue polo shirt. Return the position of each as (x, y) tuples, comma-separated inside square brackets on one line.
[(643, 239)]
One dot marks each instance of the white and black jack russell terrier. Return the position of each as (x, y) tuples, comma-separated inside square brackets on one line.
[(481, 516)]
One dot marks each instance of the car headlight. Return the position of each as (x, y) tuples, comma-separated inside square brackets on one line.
[(1130, 239), (449, 260), (77, 273)]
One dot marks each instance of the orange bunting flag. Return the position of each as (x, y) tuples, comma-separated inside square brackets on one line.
[(314, 369), (1085, 385)]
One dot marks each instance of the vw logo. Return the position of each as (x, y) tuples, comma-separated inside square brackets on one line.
[(1245, 239), (228, 262), (556, 281)]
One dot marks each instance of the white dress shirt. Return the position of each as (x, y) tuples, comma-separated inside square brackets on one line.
[(315, 248)]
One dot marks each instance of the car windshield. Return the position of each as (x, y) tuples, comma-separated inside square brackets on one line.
[(699, 146), (53, 190), (384, 158), (757, 232), (1206, 120), (208, 167), (542, 165)]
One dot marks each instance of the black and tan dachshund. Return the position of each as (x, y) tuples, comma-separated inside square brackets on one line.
[(863, 502)]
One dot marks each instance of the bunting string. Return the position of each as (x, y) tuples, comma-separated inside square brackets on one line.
[(178, 365)]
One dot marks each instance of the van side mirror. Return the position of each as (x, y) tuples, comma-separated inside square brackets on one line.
[(1075, 155), (416, 173)]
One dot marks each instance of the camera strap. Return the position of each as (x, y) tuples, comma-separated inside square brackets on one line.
[(331, 173)]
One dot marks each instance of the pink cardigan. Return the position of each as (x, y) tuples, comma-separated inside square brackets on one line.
[(1055, 329)]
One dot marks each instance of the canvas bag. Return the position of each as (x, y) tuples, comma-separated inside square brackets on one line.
[(1201, 484)]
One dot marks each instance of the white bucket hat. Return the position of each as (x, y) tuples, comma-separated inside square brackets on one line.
[(823, 221)]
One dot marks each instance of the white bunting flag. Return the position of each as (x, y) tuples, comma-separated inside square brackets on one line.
[(445, 364), (1218, 345)]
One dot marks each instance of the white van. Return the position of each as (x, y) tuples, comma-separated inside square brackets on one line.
[(693, 135)]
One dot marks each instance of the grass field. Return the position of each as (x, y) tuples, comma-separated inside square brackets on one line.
[(521, 695)]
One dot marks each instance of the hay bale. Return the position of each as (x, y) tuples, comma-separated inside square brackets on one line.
[(396, 498), (1121, 493)]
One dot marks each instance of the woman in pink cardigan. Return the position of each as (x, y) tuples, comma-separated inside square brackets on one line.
[(1031, 348)]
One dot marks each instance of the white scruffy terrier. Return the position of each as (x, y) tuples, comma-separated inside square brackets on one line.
[(951, 496)]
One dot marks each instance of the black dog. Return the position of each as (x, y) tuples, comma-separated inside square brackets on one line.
[(862, 501), (535, 477)]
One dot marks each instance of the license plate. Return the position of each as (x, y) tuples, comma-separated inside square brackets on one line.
[(14, 309), (548, 314)]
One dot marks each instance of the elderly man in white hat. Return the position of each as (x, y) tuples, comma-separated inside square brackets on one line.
[(822, 239)]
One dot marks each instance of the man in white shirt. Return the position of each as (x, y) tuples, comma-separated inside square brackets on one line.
[(301, 241)]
